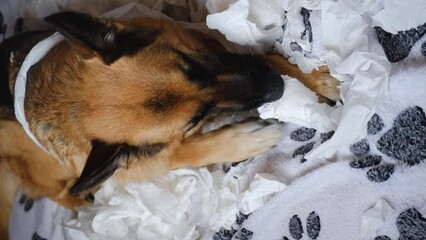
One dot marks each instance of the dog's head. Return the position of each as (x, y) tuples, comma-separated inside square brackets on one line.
[(148, 83)]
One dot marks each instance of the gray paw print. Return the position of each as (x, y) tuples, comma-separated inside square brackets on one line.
[(404, 142), (411, 225), (305, 134), (398, 46), (26, 202), (313, 227), (236, 232)]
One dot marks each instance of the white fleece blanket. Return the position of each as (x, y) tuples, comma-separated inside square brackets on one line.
[(353, 171)]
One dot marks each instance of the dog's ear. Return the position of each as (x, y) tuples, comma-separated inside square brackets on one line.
[(101, 164), (109, 39), (104, 159)]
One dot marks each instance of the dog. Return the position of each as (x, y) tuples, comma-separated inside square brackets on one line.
[(127, 100)]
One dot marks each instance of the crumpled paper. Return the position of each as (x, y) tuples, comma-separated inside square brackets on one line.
[(374, 218), (303, 111), (248, 22), (355, 57), (184, 204), (10, 12), (348, 46), (393, 11)]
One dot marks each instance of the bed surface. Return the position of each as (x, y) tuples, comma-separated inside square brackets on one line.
[(355, 170)]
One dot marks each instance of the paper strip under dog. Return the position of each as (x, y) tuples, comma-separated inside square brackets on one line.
[(35, 55)]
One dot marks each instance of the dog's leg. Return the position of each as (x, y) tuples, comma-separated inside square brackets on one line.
[(32, 169), (8, 187), (319, 80), (231, 143)]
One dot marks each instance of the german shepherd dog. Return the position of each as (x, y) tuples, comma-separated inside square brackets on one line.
[(127, 100)]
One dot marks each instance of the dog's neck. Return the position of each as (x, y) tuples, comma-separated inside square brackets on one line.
[(37, 53), (51, 110)]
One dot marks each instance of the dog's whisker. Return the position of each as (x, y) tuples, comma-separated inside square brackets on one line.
[(237, 48), (251, 52)]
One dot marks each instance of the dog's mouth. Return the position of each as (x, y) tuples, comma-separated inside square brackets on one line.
[(271, 89)]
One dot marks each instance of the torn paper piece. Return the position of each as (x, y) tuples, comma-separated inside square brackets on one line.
[(171, 206), (374, 218), (299, 105), (250, 22), (389, 17)]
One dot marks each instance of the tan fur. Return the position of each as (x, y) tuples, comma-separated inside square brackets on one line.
[(24, 165), (74, 97), (253, 135), (37, 172), (319, 80), (8, 187)]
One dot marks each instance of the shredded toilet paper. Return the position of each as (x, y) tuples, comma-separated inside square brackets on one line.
[(354, 56), (184, 204), (304, 111), (393, 11), (347, 44), (249, 22)]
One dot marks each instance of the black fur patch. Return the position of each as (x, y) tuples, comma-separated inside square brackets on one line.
[(146, 150), (19, 26), (3, 26), (161, 104), (101, 37), (17, 46), (202, 113), (194, 70), (5, 95), (89, 197), (105, 159)]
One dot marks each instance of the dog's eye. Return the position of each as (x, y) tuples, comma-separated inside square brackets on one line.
[(194, 70)]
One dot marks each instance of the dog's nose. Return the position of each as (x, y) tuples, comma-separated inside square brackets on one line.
[(272, 86), (247, 82)]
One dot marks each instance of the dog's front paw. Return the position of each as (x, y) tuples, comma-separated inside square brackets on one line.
[(231, 143), (254, 136), (325, 85)]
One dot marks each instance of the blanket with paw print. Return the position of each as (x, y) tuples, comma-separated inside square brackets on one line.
[(355, 170)]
